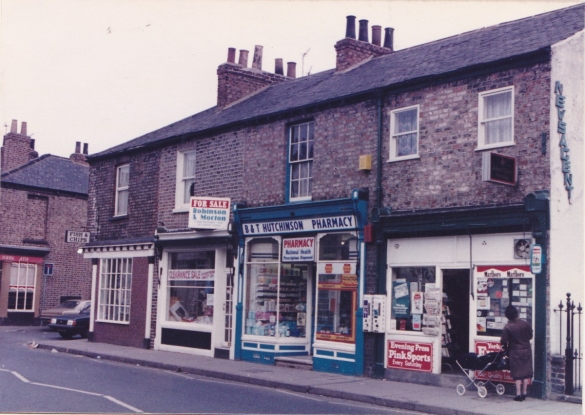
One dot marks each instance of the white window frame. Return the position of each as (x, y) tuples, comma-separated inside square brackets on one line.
[(115, 290), (121, 189), (394, 135), (481, 144), (307, 160), (180, 204)]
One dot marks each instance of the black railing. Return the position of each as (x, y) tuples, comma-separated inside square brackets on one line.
[(573, 355)]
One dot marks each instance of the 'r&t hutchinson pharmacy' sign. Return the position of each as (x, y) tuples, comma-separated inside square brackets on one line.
[(332, 223)]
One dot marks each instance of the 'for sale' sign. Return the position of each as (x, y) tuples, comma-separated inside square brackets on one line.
[(209, 213)]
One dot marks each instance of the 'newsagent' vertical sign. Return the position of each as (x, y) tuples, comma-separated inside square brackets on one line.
[(209, 213), (562, 130)]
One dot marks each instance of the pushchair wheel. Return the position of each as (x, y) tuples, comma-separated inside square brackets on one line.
[(501, 389), (482, 391), (461, 389), (479, 384)]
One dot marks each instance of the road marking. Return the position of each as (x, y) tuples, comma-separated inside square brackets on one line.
[(125, 405), (19, 376), (66, 389), (109, 398)]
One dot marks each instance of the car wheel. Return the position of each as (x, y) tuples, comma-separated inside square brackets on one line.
[(65, 335)]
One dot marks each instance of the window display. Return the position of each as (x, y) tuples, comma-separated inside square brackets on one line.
[(276, 294), (337, 287), (416, 300), (191, 287), (21, 291), (496, 288)]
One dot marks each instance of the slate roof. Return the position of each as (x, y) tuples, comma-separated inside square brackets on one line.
[(51, 173), (472, 49)]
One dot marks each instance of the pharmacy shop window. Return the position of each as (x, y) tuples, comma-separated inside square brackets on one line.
[(413, 296), (191, 280), (276, 293)]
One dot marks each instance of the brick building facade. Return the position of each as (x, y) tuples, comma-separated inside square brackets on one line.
[(415, 181), (41, 198)]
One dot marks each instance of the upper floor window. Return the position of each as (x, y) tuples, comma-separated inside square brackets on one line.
[(301, 138), (122, 182), (185, 179), (404, 133), (496, 118)]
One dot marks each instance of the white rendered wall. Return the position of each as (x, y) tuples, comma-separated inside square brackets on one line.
[(567, 247)]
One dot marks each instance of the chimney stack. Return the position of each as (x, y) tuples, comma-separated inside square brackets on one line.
[(237, 81), (231, 55), (350, 27), (77, 157), (257, 60), (377, 35), (17, 149), (278, 68), (389, 38), (352, 52), (291, 69), (243, 58), (363, 31)]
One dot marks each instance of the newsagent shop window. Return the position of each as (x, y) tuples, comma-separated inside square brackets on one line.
[(276, 293), (414, 293), (21, 292), (337, 287), (496, 288), (191, 280)]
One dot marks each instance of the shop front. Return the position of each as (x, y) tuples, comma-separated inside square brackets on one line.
[(301, 282), (20, 288), (194, 312), (447, 290)]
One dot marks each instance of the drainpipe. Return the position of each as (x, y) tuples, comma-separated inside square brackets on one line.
[(148, 323), (379, 350)]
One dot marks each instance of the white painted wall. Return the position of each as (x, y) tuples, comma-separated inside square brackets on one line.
[(567, 246)]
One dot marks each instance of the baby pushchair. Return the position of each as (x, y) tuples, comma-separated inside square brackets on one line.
[(485, 363)]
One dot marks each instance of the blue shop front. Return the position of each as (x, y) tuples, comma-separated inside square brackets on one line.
[(301, 281)]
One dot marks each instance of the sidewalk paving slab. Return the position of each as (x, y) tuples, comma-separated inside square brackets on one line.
[(400, 395)]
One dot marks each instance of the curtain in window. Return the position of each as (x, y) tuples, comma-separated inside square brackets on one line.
[(188, 175), (497, 115)]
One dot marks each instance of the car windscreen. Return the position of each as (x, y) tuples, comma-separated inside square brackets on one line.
[(68, 304)]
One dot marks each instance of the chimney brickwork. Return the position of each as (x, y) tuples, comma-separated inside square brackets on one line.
[(236, 81), (79, 157), (351, 51), (17, 149)]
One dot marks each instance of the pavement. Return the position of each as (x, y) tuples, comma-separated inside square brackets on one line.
[(400, 395)]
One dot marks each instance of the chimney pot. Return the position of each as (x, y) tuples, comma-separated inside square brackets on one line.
[(389, 38), (377, 35), (85, 148), (14, 127), (77, 147), (257, 60), (350, 27), (243, 58), (363, 31), (278, 68), (23, 128), (231, 55), (291, 69)]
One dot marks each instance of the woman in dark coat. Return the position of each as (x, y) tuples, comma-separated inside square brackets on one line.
[(516, 340)]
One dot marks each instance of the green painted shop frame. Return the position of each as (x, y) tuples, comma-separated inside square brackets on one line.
[(530, 216), (264, 219)]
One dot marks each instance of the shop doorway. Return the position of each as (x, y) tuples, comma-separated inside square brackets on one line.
[(455, 339)]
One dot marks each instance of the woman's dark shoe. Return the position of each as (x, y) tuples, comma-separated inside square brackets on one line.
[(519, 398)]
